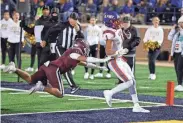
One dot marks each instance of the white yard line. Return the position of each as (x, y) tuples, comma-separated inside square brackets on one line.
[(81, 110)]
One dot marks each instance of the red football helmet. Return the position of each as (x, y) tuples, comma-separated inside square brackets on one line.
[(83, 45)]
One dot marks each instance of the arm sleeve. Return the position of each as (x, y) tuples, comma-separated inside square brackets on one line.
[(108, 36), (136, 40), (55, 29), (161, 37), (79, 33), (94, 60), (146, 35), (75, 56), (171, 34)]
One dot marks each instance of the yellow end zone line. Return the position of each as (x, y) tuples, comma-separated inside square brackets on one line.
[(161, 121)]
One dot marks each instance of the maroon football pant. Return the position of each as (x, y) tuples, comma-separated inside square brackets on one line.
[(49, 74)]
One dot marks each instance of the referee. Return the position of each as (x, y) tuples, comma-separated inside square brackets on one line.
[(67, 32)]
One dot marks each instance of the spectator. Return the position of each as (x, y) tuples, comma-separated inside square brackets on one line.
[(41, 22), (142, 8), (176, 36), (7, 5), (76, 4), (176, 9), (115, 6), (39, 11), (136, 2), (92, 35), (128, 8), (152, 3), (6, 22), (154, 33), (91, 8), (14, 39), (105, 6), (131, 39), (160, 8), (66, 8), (49, 3)]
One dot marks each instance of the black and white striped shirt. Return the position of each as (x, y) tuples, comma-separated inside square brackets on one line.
[(66, 34)]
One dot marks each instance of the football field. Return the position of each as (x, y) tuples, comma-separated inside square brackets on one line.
[(88, 104)]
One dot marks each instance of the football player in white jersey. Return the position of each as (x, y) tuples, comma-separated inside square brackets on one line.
[(113, 37)]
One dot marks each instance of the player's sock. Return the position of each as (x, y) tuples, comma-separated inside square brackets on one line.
[(133, 92), (122, 87)]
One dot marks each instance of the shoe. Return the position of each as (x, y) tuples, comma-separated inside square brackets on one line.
[(108, 97), (74, 89), (86, 76), (72, 72), (38, 87), (153, 77), (2, 67), (10, 68), (91, 77), (99, 75), (149, 76), (138, 108), (108, 76), (29, 69), (179, 88)]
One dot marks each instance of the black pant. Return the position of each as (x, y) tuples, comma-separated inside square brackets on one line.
[(68, 76), (45, 54), (3, 49), (33, 55), (178, 64), (152, 56), (103, 55), (93, 53), (131, 63), (38, 50), (14, 50)]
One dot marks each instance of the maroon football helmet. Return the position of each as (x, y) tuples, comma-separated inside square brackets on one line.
[(83, 45)]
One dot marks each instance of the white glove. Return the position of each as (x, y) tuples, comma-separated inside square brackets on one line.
[(106, 59), (122, 51), (103, 68)]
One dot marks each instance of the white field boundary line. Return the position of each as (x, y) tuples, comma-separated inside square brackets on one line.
[(92, 97), (81, 110)]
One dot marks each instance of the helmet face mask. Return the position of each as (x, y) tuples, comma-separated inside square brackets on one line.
[(83, 45), (111, 19)]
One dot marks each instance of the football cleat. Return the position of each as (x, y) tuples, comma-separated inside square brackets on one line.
[(38, 87), (10, 68), (108, 76), (179, 88), (92, 77), (86, 76), (138, 108), (2, 66), (108, 97), (99, 75), (74, 89)]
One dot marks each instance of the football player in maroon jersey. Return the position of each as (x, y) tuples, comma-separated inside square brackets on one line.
[(48, 77)]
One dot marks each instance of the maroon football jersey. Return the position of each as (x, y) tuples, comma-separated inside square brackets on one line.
[(65, 62)]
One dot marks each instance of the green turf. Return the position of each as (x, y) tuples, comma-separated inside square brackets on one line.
[(24, 103), (144, 85)]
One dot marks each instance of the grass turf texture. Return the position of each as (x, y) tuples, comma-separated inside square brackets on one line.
[(144, 85), (24, 103)]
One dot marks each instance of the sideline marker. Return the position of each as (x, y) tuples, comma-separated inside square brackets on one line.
[(170, 93)]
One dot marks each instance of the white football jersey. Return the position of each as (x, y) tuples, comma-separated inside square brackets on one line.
[(114, 35)]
